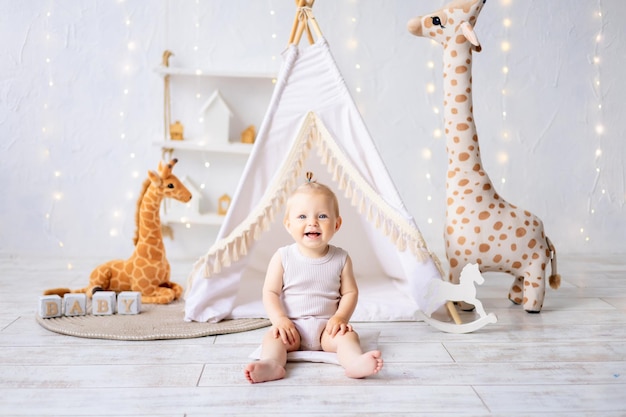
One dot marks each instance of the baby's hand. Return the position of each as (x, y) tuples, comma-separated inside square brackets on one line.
[(337, 325), (286, 330)]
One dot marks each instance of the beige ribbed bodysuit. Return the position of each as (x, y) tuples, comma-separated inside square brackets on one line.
[(311, 291)]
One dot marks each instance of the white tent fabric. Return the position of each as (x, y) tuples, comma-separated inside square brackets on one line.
[(312, 124)]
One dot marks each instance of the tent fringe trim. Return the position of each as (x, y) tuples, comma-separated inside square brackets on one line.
[(401, 232)]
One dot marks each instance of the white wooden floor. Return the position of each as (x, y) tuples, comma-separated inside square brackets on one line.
[(570, 360)]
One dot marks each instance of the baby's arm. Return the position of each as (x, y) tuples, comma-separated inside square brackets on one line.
[(339, 323), (272, 288)]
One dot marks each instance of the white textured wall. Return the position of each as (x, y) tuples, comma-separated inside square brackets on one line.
[(80, 108)]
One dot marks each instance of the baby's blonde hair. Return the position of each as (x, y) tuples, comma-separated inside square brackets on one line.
[(314, 187)]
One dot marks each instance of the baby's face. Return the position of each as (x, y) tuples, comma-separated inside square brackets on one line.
[(312, 222)]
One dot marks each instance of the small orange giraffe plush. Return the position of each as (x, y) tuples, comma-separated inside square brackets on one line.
[(147, 270)]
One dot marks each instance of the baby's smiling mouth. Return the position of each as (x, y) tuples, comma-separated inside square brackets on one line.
[(312, 234)]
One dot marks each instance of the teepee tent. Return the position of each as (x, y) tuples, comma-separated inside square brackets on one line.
[(312, 124)]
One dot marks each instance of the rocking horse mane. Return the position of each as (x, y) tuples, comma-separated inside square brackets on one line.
[(144, 188)]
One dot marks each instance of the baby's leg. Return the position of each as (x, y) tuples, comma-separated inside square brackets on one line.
[(348, 347), (271, 366)]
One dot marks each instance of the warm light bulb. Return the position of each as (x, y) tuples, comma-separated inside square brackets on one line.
[(599, 129)]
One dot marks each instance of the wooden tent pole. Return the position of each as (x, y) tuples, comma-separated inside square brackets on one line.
[(296, 21)]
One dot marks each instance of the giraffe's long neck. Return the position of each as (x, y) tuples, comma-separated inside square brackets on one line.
[(461, 136), (150, 238)]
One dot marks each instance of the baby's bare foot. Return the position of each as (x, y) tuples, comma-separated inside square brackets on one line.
[(262, 371), (367, 364)]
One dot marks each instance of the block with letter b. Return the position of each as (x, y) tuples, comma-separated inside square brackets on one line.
[(103, 303), (50, 306), (129, 302)]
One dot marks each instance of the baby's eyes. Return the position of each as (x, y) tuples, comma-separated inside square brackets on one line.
[(321, 216)]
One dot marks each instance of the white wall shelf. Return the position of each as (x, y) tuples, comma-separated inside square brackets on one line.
[(214, 162), (207, 219), (163, 71), (232, 148)]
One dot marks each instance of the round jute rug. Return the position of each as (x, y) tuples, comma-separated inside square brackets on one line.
[(155, 322)]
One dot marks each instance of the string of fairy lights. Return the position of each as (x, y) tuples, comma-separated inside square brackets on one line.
[(505, 47), (51, 136), (48, 135), (599, 190)]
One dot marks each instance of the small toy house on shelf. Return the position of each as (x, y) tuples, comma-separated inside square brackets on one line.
[(182, 212), (216, 119)]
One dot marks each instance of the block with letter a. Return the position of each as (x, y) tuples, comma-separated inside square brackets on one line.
[(75, 304)]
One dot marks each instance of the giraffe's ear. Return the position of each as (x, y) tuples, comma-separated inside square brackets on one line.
[(470, 35), (155, 178)]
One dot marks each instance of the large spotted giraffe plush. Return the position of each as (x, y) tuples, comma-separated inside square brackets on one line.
[(481, 227), (147, 270)]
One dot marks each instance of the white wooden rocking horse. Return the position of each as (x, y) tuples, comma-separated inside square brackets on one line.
[(443, 291)]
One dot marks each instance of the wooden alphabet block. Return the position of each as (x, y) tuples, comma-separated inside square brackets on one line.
[(50, 306), (103, 303), (129, 302), (75, 304)]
